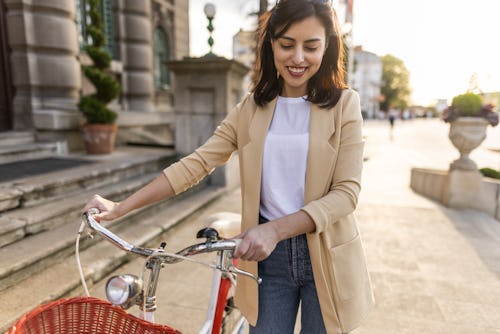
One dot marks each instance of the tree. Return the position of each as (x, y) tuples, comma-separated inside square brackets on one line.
[(396, 83)]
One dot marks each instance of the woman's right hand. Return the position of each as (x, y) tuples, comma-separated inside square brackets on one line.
[(108, 210)]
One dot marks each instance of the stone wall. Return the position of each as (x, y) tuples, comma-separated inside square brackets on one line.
[(206, 89)]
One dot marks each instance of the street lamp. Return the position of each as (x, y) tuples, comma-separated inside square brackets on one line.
[(209, 10)]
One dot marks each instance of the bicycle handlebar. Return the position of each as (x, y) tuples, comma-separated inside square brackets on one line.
[(113, 238), (205, 247)]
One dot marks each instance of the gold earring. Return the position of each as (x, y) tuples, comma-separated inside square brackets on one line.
[(277, 75)]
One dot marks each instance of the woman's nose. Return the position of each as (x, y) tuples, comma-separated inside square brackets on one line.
[(298, 56)]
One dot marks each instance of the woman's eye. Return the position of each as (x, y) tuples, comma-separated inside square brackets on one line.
[(312, 49), (286, 47)]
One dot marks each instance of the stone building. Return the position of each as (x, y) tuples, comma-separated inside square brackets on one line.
[(244, 45), (367, 80), (41, 53)]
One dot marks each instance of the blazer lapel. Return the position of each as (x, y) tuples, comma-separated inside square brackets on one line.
[(321, 155), (260, 124), (253, 152)]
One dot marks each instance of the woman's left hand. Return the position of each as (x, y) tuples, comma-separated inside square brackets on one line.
[(257, 243)]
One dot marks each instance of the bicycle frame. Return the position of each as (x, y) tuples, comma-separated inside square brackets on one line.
[(212, 301), (156, 258)]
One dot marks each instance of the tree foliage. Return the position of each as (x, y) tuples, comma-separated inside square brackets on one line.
[(396, 83)]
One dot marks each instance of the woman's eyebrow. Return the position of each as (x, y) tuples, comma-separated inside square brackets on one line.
[(311, 40)]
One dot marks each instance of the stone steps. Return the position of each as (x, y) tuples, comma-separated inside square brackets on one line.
[(37, 210), (27, 221), (40, 215), (8, 138), (39, 203), (40, 235), (100, 170), (61, 278), (17, 146)]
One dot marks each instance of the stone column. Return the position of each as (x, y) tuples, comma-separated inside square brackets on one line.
[(45, 70), (205, 90), (134, 35)]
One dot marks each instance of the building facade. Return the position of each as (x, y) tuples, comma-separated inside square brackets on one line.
[(366, 79), (244, 48), (42, 49)]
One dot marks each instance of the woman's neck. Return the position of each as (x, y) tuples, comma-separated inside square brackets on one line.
[(293, 91)]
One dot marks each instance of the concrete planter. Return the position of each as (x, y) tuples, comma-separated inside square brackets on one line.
[(466, 134)]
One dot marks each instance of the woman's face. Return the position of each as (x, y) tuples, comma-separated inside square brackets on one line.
[(298, 54)]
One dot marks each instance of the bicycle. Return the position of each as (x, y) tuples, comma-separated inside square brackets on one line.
[(93, 315)]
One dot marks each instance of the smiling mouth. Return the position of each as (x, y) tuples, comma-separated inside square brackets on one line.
[(296, 70)]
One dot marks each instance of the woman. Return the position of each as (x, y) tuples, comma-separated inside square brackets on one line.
[(298, 137)]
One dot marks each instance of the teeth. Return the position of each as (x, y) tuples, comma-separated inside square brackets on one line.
[(296, 69)]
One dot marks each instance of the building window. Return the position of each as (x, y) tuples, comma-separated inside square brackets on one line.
[(161, 56), (83, 20)]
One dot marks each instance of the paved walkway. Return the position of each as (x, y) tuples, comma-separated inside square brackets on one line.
[(434, 270)]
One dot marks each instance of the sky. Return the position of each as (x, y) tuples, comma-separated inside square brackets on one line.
[(443, 43)]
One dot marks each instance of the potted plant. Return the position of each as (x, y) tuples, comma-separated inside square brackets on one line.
[(99, 130), (468, 118)]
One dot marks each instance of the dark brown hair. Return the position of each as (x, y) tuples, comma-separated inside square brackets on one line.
[(325, 86)]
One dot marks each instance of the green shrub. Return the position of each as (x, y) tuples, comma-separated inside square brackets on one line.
[(93, 106), (107, 88), (490, 172), (99, 56), (468, 104), (96, 112)]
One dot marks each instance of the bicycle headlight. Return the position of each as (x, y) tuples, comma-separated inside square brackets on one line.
[(123, 290)]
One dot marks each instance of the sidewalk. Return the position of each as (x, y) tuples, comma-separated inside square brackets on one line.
[(434, 270)]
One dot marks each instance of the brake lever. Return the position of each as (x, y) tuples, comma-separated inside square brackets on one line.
[(235, 270)]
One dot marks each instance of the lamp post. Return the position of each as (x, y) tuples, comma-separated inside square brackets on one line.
[(209, 11)]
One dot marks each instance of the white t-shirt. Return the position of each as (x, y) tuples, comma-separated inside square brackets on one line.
[(285, 158)]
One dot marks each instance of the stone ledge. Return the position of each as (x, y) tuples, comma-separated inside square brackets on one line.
[(9, 199), (136, 118), (46, 119), (458, 189)]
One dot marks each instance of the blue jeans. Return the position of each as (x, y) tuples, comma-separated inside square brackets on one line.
[(287, 280)]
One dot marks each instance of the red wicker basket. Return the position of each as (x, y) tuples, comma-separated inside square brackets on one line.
[(84, 315)]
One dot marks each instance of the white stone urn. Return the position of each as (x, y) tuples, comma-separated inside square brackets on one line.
[(467, 133)]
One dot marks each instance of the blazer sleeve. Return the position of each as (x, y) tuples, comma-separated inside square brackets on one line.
[(216, 151), (342, 196)]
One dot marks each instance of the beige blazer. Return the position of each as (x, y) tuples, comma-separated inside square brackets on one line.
[(333, 179)]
